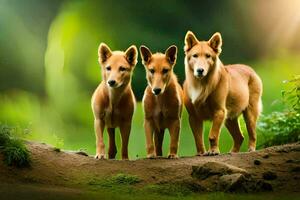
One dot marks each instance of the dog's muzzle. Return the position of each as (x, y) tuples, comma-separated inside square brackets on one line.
[(199, 72)]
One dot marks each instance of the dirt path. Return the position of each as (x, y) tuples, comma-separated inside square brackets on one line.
[(273, 169)]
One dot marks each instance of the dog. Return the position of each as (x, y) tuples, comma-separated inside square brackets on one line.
[(162, 100), (113, 101), (219, 93)]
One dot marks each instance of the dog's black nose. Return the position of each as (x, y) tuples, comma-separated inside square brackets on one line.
[(111, 83), (200, 71), (156, 91)]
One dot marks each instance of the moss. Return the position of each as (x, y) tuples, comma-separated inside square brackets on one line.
[(116, 180)]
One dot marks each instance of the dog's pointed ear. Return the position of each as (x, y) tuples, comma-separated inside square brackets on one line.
[(215, 42), (171, 54), (190, 41), (104, 52), (131, 55), (145, 54)]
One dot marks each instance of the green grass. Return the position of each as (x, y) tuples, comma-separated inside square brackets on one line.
[(210, 196), (123, 186), (175, 190)]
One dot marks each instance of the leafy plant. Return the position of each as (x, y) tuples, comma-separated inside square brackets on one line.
[(283, 127), (4, 134), (14, 150), (292, 96), (16, 153)]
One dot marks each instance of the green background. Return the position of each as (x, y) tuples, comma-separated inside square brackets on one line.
[(49, 67)]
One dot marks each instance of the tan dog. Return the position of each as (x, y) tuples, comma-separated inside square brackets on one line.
[(113, 101), (163, 100), (219, 93)]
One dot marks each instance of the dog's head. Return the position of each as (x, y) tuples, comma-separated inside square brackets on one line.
[(201, 56), (117, 66), (159, 67)]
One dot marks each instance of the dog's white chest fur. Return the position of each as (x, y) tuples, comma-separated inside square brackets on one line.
[(194, 93)]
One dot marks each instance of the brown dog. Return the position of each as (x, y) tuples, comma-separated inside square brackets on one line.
[(219, 93), (163, 100), (113, 101)]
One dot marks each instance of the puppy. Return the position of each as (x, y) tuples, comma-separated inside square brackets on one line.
[(162, 101), (219, 93), (113, 101)]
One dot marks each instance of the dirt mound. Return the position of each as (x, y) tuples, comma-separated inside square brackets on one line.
[(272, 169)]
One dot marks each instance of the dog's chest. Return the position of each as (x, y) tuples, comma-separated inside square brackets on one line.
[(160, 111), (194, 93), (112, 117)]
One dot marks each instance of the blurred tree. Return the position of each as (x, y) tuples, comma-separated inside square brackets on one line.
[(24, 27), (79, 26)]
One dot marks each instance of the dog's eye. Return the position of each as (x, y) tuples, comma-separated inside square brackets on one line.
[(207, 55), (151, 71), (122, 69), (195, 55), (165, 71), (108, 68)]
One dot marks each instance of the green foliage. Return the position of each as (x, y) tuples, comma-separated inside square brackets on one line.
[(59, 142), (283, 127), (4, 134), (14, 150), (280, 128), (16, 153), (292, 96)]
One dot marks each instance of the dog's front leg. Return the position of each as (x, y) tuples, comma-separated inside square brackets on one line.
[(158, 141), (100, 147), (149, 138), (214, 133), (197, 129), (112, 149), (125, 132), (174, 130)]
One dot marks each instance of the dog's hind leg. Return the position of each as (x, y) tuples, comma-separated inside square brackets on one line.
[(158, 139), (250, 115), (234, 129), (112, 149)]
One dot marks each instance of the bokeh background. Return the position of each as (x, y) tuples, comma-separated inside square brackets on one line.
[(49, 68)]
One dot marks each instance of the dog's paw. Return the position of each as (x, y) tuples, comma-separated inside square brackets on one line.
[(251, 149), (200, 153), (212, 153), (100, 156), (151, 156), (234, 151), (172, 156)]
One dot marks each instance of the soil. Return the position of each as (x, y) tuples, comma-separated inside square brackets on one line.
[(58, 174)]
